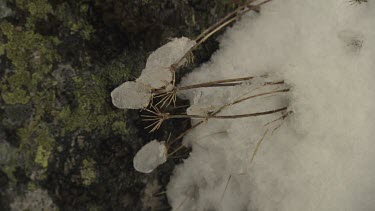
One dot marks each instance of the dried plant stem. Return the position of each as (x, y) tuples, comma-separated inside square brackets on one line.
[(169, 96), (215, 83), (258, 146), (220, 109), (178, 149), (218, 83), (185, 132), (184, 116), (221, 117), (258, 95), (205, 32), (280, 118)]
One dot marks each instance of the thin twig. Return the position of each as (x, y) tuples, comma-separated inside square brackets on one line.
[(258, 146), (226, 186)]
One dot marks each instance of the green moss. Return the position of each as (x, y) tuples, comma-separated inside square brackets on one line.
[(88, 173)]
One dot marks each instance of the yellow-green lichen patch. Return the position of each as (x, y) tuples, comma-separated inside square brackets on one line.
[(32, 56), (36, 8), (36, 145), (27, 48), (88, 173), (42, 156), (119, 128)]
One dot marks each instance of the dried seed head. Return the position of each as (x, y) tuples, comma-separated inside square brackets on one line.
[(150, 156), (131, 95), (169, 87)]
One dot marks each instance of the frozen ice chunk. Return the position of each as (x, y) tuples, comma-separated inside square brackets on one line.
[(156, 77), (170, 53), (131, 95), (150, 156)]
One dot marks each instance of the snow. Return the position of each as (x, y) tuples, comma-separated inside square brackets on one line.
[(321, 156), (168, 54), (158, 72), (156, 75), (131, 95), (150, 156)]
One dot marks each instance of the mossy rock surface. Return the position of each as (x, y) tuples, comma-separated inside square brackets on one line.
[(59, 132)]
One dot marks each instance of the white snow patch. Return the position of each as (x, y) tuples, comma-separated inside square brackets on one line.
[(156, 77), (158, 72), (131, 95), (150, 156), (170, 53), (321, 158)]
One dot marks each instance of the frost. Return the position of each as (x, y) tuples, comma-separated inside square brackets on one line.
[(170, 53), (150, 156), (131, 95), (156, 77)]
